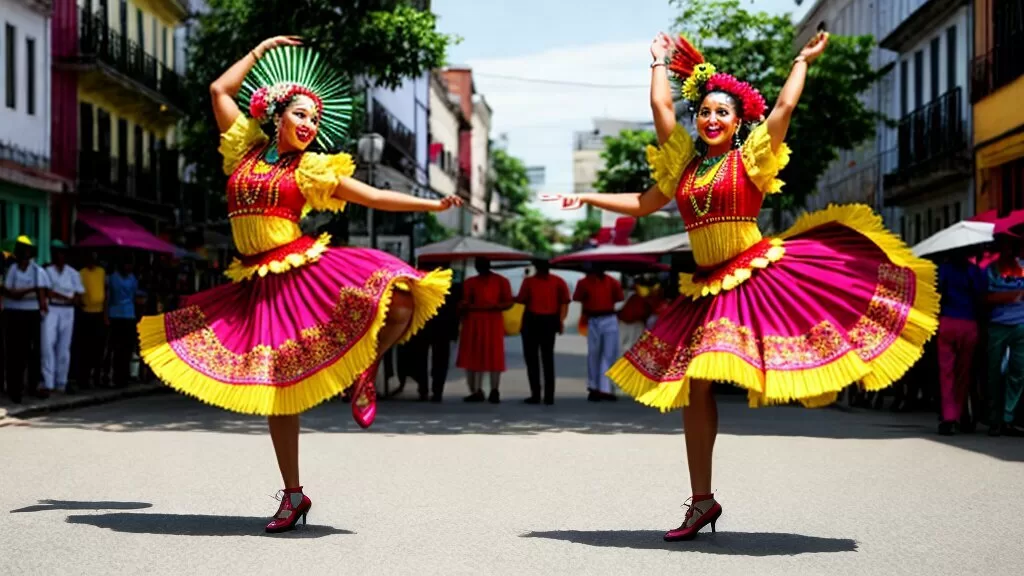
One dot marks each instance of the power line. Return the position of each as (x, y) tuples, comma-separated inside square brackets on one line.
[(561, 82)]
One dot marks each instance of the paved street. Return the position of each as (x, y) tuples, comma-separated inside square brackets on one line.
[(163, 485)]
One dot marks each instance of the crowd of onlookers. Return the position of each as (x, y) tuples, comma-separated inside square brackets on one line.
[(70, 326)]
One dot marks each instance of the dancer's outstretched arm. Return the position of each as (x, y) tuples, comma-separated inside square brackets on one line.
[(224, 89), (628, 203), (352, 190), (662, 106), (778, 120)]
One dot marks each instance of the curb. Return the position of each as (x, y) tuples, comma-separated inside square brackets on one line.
[(80, 400)]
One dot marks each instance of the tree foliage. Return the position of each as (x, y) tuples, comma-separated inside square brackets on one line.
[(381, 41), (522, 227), (758, 48), (625, 162)]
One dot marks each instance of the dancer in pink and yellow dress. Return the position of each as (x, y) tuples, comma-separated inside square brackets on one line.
[(301, 321), (833, 301)]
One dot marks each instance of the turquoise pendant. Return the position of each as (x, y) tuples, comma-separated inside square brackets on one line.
[(272, 156)]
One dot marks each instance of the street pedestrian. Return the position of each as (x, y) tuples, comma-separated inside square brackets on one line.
[(835, 300), (59, 324), (90, 341), (123, 288), (482, 341), (1006, 337), (301, 321), (962, 289), (545, 297), (598, 293), (634, 314), (25, 306)]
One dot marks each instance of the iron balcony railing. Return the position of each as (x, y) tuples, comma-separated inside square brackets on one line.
[(97, 39), (102, 172), (999, 67), (935, 131), (12, 153)]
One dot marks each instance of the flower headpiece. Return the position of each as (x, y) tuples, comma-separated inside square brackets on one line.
[(289, 71), (700, 77)]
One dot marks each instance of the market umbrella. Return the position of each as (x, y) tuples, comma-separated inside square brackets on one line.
[(960, 235), (630, 253), (467, 248)]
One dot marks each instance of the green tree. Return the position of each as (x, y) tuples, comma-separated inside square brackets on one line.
[(383, 41), (758, 48), (584, 230), (433, 230), (522, 227)]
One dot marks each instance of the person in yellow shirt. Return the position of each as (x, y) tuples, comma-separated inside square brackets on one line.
[(92, 323)]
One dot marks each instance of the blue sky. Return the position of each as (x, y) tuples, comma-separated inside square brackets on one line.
[(590, 41)]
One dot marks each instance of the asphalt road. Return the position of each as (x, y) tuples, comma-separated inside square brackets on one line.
[(164, 485)]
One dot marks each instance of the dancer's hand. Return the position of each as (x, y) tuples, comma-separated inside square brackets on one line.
[(271, 43), (566, 201), (448, 202), (815, 47), (661, 47)]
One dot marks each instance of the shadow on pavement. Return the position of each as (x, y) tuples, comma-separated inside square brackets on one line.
[(727, 543), (196, 525), (45, 505), (570, 413)]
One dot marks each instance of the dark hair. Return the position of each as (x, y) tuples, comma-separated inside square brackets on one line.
[(278, 108), (745, 127)]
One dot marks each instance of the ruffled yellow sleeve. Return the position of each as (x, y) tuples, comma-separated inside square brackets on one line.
[(239, 139), (670, 159), (318, 176), (761, 163)]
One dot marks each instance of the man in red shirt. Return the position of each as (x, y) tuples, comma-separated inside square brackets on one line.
[(546, 298), (598, 293)]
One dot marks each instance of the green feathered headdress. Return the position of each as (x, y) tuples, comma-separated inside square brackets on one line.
[(288, 71)]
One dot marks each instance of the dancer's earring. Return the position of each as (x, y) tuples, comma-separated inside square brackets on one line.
[(737, 142), (273, 155)]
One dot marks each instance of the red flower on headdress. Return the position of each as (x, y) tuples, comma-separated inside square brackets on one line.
[(750, 99), (266, 98)]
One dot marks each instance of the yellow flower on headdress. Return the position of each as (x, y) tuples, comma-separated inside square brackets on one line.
[(701, 73)]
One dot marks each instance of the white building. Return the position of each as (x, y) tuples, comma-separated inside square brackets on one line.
[(587, 148), (479, 183), (446, 123), (25, 122), (928, 168), (855, 177)]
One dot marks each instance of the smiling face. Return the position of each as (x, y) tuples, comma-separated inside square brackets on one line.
[(717, 119), (299, 124)]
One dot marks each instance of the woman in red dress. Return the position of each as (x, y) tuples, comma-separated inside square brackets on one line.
[(482, 342)]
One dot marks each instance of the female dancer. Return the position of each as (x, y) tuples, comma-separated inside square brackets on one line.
[(833, 301), (301, 321)]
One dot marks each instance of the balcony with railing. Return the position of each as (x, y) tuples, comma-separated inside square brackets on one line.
[(399, 141), (931, 148), (998, 68), (104, 176), (101, 46)]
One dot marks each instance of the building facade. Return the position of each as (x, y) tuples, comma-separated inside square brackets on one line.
[(855, 176), (474, 149), (586, 153), (997, 93), (119, 99), (444, 173), (27, 182), (927, 161)]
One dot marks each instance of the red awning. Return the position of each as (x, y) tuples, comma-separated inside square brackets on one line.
[(112, 230)]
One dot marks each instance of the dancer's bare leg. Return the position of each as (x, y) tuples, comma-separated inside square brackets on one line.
[(284, 431), (397, 322), (700, 422)]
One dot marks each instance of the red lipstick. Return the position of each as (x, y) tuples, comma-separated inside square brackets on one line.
[(304, 134)]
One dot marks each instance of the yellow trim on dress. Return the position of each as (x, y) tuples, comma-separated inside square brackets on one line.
[(238, 272), (670, 159), (717, 243), (266, 400), (238, 140), (697, 290), (819, 386), (318, 176), (761, 162)]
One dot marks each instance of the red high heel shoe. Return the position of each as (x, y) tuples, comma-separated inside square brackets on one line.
[(699, 514), (294, 505), (364, 397)]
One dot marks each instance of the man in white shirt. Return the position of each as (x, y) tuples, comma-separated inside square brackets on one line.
[(59, 323), (25, 286)]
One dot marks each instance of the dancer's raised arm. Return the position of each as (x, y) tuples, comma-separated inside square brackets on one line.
[(778, 120), (662, 106), (629, 203), (224, 89)]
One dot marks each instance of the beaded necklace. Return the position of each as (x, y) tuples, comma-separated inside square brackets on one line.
[(718, 162)]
